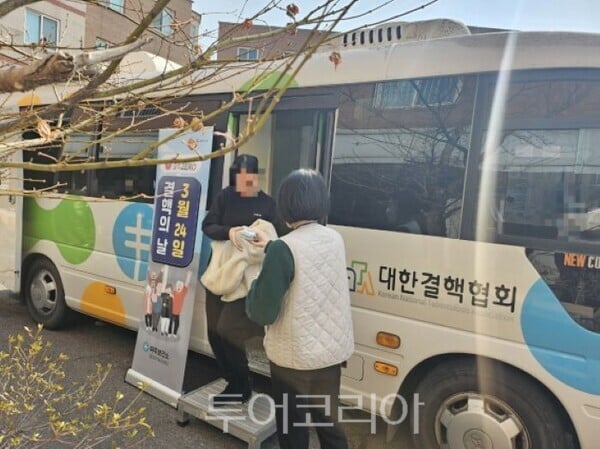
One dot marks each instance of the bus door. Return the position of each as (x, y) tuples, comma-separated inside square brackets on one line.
[(298, 134), (11, 206)]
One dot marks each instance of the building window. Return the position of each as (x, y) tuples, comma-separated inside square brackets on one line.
[(245, 53), (163, 22), (115, 5), (102, 44), (39, 27), (194, 29)]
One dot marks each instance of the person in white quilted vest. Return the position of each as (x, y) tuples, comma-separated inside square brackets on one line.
[(301, 295)]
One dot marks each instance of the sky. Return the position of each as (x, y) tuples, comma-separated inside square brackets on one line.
[(564, 15)]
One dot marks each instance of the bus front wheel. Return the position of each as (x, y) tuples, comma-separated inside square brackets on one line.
[(45, 296), (486, 405)]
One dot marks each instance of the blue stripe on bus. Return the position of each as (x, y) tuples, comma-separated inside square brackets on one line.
[(565, 349)]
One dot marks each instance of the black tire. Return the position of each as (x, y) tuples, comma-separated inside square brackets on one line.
[(182, 422), (487, 405), (45, 295)]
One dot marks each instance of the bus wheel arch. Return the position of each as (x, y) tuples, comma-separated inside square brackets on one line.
[(44, 293), (440, 375)]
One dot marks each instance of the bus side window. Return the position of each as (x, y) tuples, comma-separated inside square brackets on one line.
[(127, 183), (547, 175), (76, 149), (400, 154), (405, 212), (546, 189), (41, 154), (73, 182)]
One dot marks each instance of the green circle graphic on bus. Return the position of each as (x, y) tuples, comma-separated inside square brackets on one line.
[(70, 225), (268, 81)]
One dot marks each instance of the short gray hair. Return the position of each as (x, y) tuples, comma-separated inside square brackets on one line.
[(303, 195)]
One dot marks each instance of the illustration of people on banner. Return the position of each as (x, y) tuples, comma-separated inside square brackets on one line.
[(164, 300)]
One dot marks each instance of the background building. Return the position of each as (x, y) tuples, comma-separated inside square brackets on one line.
[(80, 25), (282, 45), (175, 30), (60, 23)]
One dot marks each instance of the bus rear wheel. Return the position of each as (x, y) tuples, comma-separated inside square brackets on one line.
[(45, 295), (487, 406)]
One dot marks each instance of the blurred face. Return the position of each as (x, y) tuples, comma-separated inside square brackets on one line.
[(246, 183), (178, 286)]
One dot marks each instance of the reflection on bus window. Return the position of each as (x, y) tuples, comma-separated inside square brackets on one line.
[(547, 184), (547, 174), (546, 189), (73, 182), (404, 212), (127, 183), (77, 148), (39, 180), (40, 154), (422, 92), (399, 165)]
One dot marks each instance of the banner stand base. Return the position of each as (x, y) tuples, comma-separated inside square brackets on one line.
[(252, 422), (152, 387)]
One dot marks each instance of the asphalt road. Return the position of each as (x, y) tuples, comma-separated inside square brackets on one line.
[(88, 342)]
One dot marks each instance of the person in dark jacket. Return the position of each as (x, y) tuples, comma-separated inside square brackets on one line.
[(228, 327)]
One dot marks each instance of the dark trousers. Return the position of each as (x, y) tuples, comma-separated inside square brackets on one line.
[(174, 325), (305, 392), (228, 330)]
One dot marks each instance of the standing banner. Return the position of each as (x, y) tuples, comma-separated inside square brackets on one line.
[(168, 300)]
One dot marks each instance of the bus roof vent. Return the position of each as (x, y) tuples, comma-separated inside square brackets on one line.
[(403, 32)]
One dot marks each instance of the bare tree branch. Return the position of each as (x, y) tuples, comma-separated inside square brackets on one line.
[(99, 103), (53, 69), (88, 59), (58, 67), (10, 5)]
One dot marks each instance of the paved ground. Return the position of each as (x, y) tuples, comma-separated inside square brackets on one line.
[(88, 342)]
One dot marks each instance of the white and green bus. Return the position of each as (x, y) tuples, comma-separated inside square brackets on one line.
[(465, 180)]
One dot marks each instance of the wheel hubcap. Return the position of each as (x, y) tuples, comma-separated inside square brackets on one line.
[(475, 421), (43, 292), (474, 439)]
